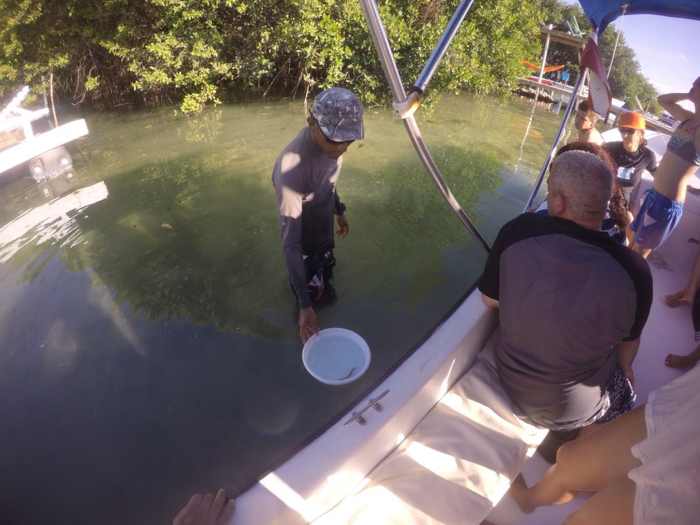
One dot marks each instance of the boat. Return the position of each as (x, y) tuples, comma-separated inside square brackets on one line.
[(20, 142), (436, 440)]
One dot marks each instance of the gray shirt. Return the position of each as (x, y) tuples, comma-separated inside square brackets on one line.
[(568, 295), (304, 178)]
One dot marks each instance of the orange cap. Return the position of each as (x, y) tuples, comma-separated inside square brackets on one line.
[(632, 120)]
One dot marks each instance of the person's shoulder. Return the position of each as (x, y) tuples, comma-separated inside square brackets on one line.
[(527, 225), (291, 158), (298, 143), (648, 153), (633, 263), (526, 219), (613, 145)]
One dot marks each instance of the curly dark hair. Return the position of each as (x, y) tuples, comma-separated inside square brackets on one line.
[(618, 205)]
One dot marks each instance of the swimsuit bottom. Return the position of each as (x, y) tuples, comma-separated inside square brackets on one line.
[(656, 219)]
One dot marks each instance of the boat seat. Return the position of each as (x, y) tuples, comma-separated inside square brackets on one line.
[(456, 464)]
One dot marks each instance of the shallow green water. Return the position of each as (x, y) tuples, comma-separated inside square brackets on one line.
[(148, 336)]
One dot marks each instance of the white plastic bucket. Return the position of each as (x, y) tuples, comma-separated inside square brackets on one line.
[(336, 356)]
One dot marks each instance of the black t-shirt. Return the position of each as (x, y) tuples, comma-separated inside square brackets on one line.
[(631, 165), (568, 295)]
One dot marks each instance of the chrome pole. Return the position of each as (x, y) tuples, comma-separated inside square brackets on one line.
[(560, 132), (442, 45), (544, 64), (381, 42), (544, 57)]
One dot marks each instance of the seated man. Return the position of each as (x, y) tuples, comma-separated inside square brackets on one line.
[(572, 303)]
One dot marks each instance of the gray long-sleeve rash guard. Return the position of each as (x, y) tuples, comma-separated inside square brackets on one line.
[(304, 179)]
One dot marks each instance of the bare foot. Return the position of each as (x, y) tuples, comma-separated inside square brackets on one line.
[(519, 491), (680, 361), (684, 297)]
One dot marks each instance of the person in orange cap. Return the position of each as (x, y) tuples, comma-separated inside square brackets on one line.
[(631, 154)]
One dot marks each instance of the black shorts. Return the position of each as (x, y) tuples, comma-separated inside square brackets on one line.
[(319, 269), (620, 395)]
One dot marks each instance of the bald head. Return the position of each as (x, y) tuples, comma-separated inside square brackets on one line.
[(585, 183)]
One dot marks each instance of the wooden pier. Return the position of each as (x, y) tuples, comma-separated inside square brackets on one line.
[(559, 93)]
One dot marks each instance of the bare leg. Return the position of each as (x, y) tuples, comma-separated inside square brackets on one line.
[(683, 361), (614, 505), (590, 463), (641, 250), (686, 295)]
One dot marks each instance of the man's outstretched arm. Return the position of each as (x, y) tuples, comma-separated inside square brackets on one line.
[(289, 208)]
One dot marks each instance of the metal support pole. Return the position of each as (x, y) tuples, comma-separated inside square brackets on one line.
[(442, 46), (381, 42), (569, 109), (544, 63), (617, 40), (544, 57)]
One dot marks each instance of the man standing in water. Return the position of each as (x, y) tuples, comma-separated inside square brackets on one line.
[(305, 177), (585, 122)]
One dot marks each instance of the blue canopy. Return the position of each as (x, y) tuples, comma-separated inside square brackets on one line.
[(603, 12)]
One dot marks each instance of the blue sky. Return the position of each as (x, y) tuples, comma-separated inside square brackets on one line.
[(667, 49)]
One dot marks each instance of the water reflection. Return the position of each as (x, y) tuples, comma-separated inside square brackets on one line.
[(154, 320), (527, 132), (182, 264), (53, 221), (205, 127)]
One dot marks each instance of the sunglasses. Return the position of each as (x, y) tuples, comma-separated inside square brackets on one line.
[(626, 131), (333, 142)]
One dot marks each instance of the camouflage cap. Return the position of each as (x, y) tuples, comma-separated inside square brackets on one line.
[(339, 114)]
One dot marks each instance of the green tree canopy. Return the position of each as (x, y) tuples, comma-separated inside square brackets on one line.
[(626, 79), (129, 52)]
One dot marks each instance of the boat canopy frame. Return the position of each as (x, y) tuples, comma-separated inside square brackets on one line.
[(406, 106), (601, 13)]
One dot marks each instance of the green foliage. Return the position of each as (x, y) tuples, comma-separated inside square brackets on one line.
[(92, 83), (625, 76), (118, 52)]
